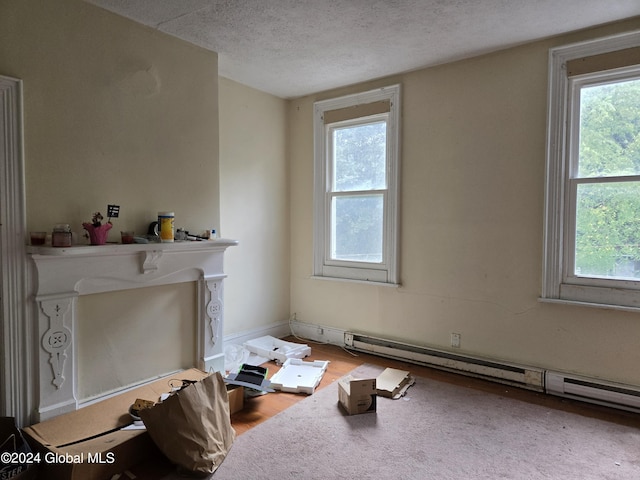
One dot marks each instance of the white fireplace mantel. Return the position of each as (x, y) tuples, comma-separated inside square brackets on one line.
[(63, 274)]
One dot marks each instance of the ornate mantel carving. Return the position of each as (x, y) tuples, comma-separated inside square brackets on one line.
[(65, 273)]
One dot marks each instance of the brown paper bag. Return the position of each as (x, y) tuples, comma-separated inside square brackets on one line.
[(193, 427)]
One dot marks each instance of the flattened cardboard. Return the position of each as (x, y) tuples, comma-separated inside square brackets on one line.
[(393, 383), (89, 442), (357, 395)]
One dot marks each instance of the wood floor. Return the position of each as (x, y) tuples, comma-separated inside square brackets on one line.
[(259, 409)]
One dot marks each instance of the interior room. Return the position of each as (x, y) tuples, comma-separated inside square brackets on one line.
[(118, 111)]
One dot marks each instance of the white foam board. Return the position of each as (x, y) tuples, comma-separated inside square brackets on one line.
[(276, 349), (298, 376)]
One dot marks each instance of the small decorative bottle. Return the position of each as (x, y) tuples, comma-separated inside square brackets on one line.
[(61, 235)]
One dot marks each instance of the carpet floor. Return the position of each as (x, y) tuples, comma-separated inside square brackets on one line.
[(436, 431)]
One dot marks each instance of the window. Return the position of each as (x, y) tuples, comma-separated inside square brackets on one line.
[(592, 235), (356, 186)]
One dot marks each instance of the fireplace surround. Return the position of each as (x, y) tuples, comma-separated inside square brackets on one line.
[(60, 275)]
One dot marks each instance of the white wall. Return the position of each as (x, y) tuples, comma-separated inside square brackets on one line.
[(254, 207), (473, 160)]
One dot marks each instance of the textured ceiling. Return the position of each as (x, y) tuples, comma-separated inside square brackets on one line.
[(291, 48)]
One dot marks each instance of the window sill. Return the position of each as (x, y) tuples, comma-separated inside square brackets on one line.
[(577, 303), (352, 280)]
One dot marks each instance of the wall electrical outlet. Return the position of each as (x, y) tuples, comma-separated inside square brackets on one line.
[(455, 340)]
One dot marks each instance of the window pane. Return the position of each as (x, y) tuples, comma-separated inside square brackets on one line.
[(610, 130), (356, 229), (608, 230), (359, 157)]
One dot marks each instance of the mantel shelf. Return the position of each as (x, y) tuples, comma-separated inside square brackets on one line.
[(120, 249)]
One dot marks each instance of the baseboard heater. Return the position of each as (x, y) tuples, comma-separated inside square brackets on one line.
[(510, 374), (589, 390)]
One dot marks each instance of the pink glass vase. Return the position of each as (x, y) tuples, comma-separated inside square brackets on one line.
[(97, 235)]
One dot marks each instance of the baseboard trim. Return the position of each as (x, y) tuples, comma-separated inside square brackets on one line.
[(318, 333), (277, 330)]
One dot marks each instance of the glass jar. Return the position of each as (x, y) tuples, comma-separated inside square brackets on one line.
[(165, 226), (61, 235)]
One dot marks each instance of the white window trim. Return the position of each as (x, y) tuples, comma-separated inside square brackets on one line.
[(387, 274), (554, 285)]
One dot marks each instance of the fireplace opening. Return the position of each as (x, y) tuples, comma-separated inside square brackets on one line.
[(128, 337)]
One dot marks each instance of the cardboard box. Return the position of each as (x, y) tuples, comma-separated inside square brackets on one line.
[(393, 383), (21, 464), (357, 395), (90, 444), (236, 398)]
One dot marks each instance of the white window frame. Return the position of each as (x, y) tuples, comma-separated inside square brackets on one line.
[(386, 272), (559, 283)]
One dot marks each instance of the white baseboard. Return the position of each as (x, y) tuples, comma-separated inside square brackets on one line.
[(318, 333), (310, 331), (277, 330)]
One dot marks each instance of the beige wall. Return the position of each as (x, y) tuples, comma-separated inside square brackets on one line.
[(473, 160), (113, 113), (116, 113), (254, 199)]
